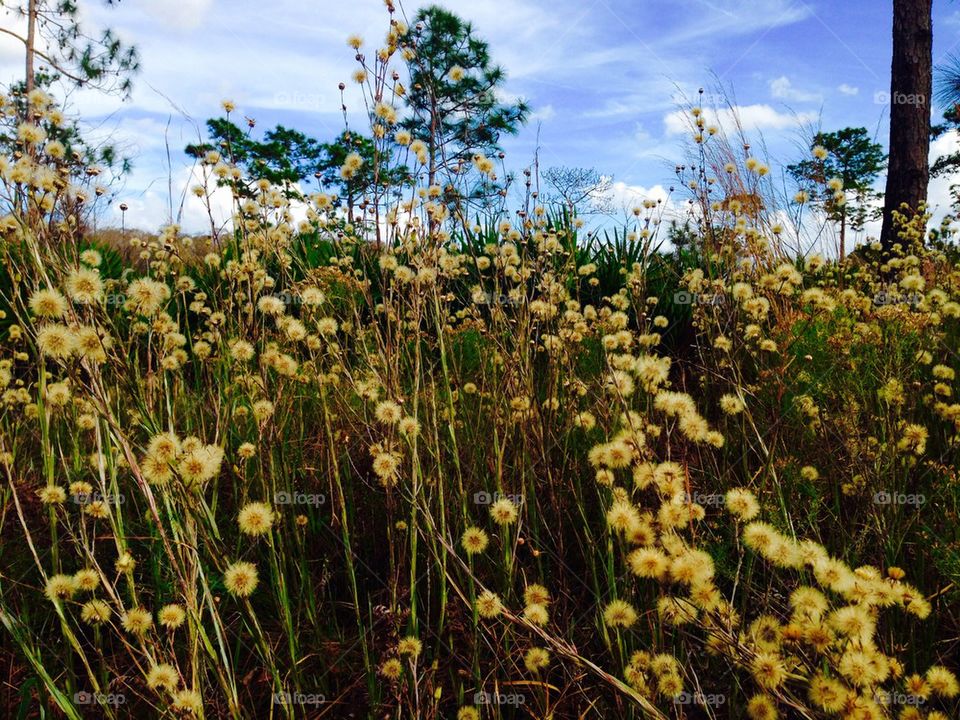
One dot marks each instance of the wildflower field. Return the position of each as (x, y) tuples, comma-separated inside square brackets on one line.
[(410, 458)]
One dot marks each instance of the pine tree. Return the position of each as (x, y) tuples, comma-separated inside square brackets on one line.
[(452, 99), (854, 159)]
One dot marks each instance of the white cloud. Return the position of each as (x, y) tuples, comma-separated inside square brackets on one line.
[(783, 89), (750, 117), (11, 49), (543, 114), (179, 15), (626, 196), (939, 197), (731, 18), (150, 208), (656, 95), (634, 195), (845, 89), (640, 133)]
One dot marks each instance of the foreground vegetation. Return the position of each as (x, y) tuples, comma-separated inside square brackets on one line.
[(422, 461)]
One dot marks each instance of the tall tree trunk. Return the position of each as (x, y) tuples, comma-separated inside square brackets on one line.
[(843, 233), (911, 80), (29, 74)]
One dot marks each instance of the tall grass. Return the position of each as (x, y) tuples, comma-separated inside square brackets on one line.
[(472, 469)]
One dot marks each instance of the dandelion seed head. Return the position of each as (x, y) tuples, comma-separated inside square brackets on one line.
[(241, 579), (255, 519)]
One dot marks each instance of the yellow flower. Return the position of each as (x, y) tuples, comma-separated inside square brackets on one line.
[(60, 587), (388, 412), (409, 646), (255, 519), (200, 465), (808, 602), (536, 595), (353, 162), (408, 426), (57, 341), (768, 670), (619, 613), (474, 540), (48, 303), (648, 563), (670, 684), (52, 495), (762, 707), (31, 133), (623, 516), (171, 616), (86, 580), (914, 439), (58, 394), (163, 676), (156, 470), (145, 296), (84, 286), (536, 613), (731, 404), (504, 511), (241, 579), (385, 466), (263, 410), (95, 612), (536, 659), (742, 503), (827, 694), (391, 669), (488, 604), (187, 701), (942, 682), (137, 621)]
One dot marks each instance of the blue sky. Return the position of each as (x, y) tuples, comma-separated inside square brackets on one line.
[(604, 77)]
